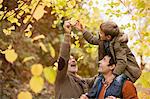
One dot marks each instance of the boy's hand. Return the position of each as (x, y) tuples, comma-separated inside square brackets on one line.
[(67, 27), (79, 26)]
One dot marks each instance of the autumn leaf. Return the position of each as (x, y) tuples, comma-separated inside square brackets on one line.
[(43, 47), (71, 3), (28, 58), (24, 95), (38, 37), (36, 69), (52, 50), (50, 74), (39, 12), (10, 55), (36, 84)]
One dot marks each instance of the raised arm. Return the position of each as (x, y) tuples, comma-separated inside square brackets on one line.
[(87, 35), (64, 54)]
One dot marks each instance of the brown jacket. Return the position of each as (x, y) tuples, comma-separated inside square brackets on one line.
[(68, 85), (125, 60)]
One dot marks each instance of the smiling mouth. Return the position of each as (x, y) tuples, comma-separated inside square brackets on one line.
[(73, 65)]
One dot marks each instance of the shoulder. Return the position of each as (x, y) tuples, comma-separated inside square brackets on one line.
[(128, 85), (122, 37), (129, 90)]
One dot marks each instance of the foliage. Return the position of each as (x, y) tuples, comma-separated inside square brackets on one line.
[(31, 32)]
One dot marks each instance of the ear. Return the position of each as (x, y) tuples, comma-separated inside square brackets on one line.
[(112, 67), (108, 37)]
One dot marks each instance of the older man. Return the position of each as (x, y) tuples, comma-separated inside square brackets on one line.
[(68, 84)]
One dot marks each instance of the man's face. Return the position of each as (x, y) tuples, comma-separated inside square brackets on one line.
[(72, 65), (103, 65)]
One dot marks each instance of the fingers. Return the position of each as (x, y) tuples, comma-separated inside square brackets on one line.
[(83, 96), (110, 97), (67, 26)]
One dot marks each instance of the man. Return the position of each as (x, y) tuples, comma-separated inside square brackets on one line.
[(108, 87), (68, 84)]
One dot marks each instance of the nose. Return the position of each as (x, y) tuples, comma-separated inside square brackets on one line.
[(99, 62)]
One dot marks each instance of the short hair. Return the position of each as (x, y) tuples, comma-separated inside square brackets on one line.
[(110, 28), (108, 53)]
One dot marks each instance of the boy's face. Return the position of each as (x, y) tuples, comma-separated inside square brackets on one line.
[(104, 67), (72, 65), (103, 36)]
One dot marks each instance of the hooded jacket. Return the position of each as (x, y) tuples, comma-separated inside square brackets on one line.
[(125, 60)]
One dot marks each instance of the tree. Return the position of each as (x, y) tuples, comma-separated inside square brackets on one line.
[(31, 32)]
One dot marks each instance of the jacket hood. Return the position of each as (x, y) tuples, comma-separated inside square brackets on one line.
[(123, 37)]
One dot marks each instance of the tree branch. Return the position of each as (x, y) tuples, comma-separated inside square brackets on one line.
[(28, 22)]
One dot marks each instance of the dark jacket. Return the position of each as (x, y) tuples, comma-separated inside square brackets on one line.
[(125, 60), (118, 88), (68, 85)]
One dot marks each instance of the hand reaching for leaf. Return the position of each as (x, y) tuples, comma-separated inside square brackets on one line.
[(79, 26), (67, 27)]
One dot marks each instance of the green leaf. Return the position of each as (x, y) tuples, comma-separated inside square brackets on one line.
[(50, 74), (52, 50)]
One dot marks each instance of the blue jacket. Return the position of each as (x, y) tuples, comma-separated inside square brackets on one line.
[(115, 89)]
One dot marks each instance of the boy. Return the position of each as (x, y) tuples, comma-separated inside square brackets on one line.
[(112, 39)]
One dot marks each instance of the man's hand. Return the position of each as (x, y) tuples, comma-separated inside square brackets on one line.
[(79, 26), (67, 27), (110, 97), (83, 97)]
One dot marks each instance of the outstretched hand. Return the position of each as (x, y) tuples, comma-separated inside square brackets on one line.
[(67, 26), (79, 26)]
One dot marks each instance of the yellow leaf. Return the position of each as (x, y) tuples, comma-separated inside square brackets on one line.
[(52, 50), (10, 55), (43, 47), (7, 32), (26, 19), (71, 3), (39, 12), (28, 58), (1, 1), (36, 84), (50, 74), (38, 37), (73, 21), (28, 34), (24, 95), (36, 69)]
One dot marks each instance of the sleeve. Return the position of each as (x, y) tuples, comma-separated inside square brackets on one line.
[(90, 81), (63, 59), (129, 91), (90, 38), (121, 58)]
